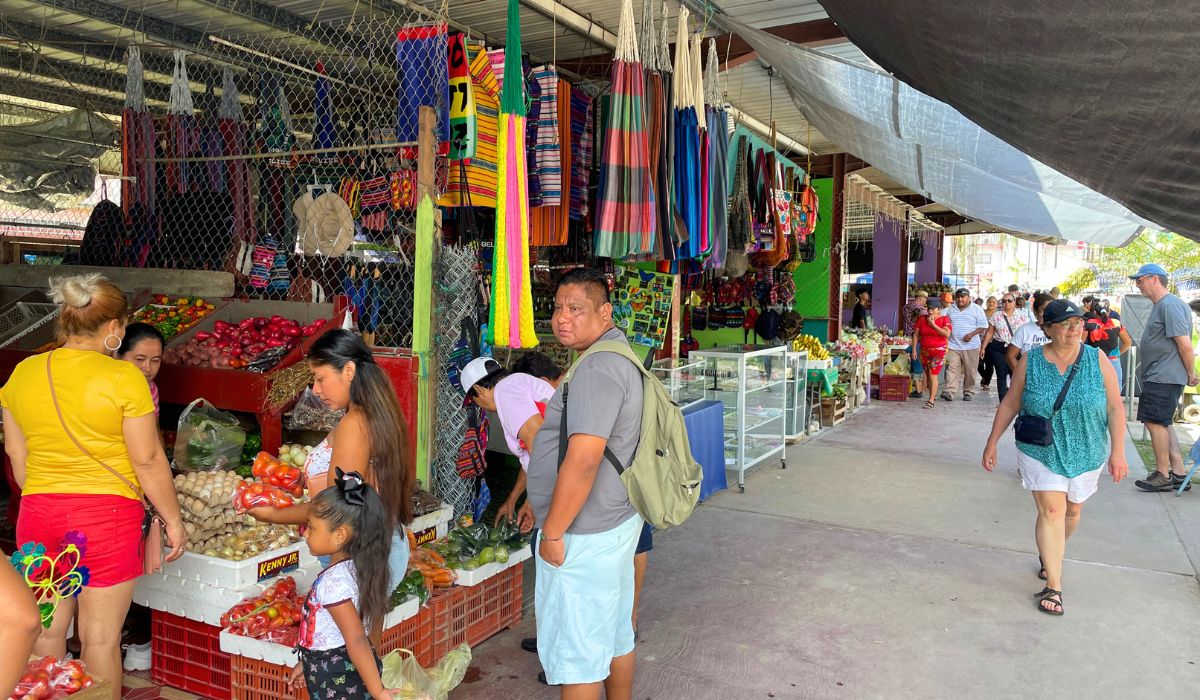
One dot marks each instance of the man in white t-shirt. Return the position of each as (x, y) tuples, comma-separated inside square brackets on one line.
[(968, 323)]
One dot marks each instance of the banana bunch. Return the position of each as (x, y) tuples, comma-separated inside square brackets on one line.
[(810, 343)]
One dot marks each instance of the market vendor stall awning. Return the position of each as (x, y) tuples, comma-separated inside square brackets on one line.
[(931, 148), (1103, 92)]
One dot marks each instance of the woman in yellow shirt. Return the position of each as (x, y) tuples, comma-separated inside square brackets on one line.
[(68, 492)]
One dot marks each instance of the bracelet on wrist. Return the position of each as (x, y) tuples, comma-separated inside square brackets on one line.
[(552, 539)]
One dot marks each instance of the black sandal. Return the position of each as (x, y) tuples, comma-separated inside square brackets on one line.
[(1042, 571), (928, 404), (1052, 596)]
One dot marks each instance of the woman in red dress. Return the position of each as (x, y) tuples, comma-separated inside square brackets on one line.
[(930, 337)]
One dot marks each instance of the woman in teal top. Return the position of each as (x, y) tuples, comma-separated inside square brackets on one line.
[(1088, 431)]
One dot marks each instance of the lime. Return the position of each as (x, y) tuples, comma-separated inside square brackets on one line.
[(502, 554), (487, 555), (471, 564)]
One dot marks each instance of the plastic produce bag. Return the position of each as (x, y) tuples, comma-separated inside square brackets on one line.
[(310, 413), (405, 679), (898, 366), (207, 438)]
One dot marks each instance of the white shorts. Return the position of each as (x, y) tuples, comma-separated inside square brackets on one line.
[(1035, 476)]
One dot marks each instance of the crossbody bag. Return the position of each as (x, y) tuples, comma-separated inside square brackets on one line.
[(1038, 430), (153, 536)]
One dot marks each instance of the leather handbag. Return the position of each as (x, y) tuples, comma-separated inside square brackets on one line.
[(1038, 430), (153, 535)]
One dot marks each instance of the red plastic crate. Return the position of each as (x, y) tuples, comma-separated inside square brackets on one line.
[(187, 655), (252, 679), (893, 387), (475, 613)]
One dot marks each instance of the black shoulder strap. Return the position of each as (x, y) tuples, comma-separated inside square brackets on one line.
[(1062, 394), (563, 437), (1010, 330)]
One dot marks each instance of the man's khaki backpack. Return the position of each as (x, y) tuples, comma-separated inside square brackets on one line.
[(663, 479)]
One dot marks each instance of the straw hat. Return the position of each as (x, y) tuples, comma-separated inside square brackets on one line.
[(326, 225)]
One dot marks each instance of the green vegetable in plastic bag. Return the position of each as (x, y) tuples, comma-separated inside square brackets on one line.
[(405, 679), (207, 438)]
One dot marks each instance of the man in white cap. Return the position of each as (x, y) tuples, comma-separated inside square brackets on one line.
[(1168, 363)]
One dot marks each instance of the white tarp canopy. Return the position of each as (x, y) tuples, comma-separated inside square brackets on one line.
[(932, 149)]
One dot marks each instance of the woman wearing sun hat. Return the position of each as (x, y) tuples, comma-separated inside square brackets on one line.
[(1087, 428)]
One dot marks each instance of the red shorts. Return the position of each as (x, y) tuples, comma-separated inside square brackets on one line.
[(111, 524)]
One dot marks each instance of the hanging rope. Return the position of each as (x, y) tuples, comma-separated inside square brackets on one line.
[(627, 38), (231, 105)]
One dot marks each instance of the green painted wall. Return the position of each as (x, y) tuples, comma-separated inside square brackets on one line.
[(812, 279)]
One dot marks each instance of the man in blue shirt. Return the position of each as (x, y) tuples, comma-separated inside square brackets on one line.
[(1168, 363)]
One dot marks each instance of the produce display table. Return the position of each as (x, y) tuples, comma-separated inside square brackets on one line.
[(705, 429)]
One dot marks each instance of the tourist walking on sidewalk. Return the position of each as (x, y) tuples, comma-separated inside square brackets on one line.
[(929, 340), (588, 530), (1028, 336), (1068, 397), (1168, 362), (986, 370), (1003, 325), (962, 356)]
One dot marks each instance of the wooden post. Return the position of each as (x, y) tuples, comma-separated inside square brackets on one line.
[(425, 373)]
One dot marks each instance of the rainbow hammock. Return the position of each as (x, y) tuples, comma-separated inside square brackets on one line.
[(511, 315)]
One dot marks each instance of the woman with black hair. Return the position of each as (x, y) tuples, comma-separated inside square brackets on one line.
[(370, 439), (350, 595), (143, 346)]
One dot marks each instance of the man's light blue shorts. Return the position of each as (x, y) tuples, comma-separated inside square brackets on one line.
[(585, 607)]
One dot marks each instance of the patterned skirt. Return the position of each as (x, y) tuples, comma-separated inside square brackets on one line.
[(331, 675)]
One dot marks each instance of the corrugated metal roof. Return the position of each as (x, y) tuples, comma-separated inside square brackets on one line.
[(748, 87)]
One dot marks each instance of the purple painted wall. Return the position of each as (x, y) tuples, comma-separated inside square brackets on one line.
[(927, 269), (885, 286)]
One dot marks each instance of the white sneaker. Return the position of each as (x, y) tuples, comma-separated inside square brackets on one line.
[(137, 657)]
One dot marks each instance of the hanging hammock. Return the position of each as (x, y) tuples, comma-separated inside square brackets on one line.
[(233, 129), (326, 136), (511, 311), (181, 126), (688, 175), (718, 162), (138, 189), (625, 207), (549, 225)]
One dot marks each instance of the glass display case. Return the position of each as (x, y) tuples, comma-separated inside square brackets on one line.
[(797, 396), (683, 378), (751, 381)]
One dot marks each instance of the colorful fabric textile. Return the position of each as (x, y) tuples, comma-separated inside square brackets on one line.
[(550, 225), (582, 123), (718, 190), (626, 217), (462, 101), (548, 147), (533, 116), (422, 79), (481, 169)]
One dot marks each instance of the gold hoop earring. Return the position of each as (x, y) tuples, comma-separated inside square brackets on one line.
[(112, 335)]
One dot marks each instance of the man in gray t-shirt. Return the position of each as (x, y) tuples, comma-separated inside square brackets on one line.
[(588, 530), (1168, 363)]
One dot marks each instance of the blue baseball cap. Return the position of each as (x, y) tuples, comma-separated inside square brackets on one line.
[(1148, 269)]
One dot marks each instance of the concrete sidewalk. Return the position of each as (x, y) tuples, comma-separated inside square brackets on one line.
[(885, 563)]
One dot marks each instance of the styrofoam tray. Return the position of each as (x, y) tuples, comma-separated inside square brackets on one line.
[(202, 602), (273, 653), (438, 521), (237, 575), (483, 573)]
